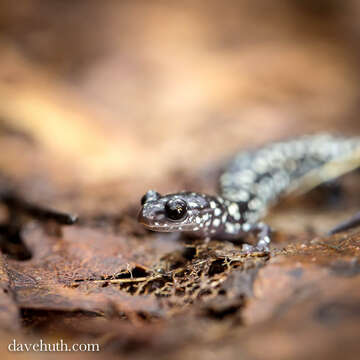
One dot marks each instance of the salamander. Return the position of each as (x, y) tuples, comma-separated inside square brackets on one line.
[(252, 182)]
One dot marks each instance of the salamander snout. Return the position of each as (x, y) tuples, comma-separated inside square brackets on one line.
[(151, 209), (162, 213), (172, 212)]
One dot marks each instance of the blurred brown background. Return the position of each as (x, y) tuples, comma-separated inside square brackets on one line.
[(133, 89)]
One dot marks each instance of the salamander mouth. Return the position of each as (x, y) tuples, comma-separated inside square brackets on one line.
[(153, 224), (158, 228)]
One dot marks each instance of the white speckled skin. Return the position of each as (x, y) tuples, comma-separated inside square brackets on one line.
[(252, 182)]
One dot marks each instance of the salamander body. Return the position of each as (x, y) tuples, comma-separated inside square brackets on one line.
[(253, 181)]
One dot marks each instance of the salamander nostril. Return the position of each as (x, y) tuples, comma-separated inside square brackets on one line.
[(143, 200), (150, 195)]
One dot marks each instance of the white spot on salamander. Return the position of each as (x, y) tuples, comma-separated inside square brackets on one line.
[(255, 204), (230, 228), (217, 212), (237, 216), (213, 204), (233, 209), (216, 222), (243, 195)]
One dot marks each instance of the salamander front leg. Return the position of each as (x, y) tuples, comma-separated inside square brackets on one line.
[(263, 234)]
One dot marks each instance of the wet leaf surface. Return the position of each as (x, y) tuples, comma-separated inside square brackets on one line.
[(9, 313)]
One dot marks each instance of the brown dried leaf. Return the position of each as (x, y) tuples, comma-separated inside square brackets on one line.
[(72, 273), (9, 312)]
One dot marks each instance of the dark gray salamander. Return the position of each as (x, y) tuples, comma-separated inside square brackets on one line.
[(252, 182)]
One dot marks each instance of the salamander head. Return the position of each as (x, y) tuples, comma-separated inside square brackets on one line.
[(184, 211)]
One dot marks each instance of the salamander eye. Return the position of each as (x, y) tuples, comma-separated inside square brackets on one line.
[(175, 209), (150, 195)]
